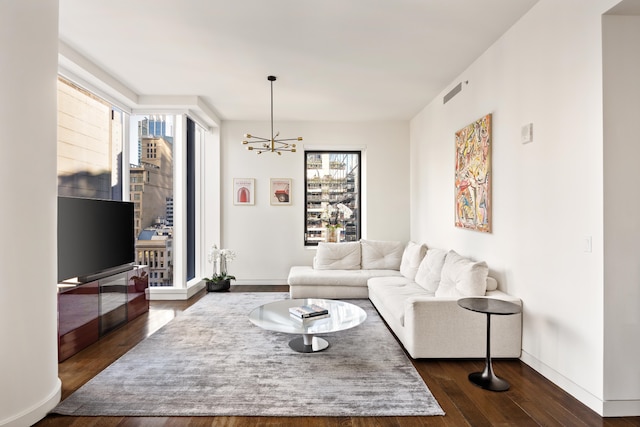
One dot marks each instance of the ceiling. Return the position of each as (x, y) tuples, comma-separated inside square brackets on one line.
[(342, 60)]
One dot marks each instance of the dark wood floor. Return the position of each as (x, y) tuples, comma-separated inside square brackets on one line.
[(531, 401)]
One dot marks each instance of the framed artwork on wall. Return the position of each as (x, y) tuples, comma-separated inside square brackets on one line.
[(243, 191), (473, 176), (280, 191)]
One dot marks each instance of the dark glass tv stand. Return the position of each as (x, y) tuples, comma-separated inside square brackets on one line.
[(89, 310), (113, 302)]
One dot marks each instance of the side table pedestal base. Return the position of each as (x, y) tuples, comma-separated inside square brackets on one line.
[(487, 379), (488, 382)]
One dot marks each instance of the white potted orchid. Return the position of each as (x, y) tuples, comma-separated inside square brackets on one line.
[(330, 220), (219, 280)]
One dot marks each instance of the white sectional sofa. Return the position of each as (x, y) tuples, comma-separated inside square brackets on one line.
[(341, 270), (415, 290)]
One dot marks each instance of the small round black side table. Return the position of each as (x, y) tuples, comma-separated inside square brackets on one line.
[(487, 379)]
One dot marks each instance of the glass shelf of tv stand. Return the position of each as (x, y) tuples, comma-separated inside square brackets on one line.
[(113, 302)]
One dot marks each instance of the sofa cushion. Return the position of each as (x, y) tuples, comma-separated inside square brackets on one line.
[(338, 256), (305, 275), (492, 284), (381, 254), (411, 258), (394, 291), (462, 277), (430, 269)]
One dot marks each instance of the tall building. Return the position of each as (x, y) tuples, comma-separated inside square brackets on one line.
[(154, 249), (169, 215), (89, 144), (154, 125), (331, 197), (151, 182), (151, 187)]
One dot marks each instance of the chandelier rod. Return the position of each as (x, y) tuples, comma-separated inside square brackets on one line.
[(272, 79), (270, 144)]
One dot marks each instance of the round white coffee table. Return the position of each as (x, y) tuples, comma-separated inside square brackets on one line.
[(275, 317)]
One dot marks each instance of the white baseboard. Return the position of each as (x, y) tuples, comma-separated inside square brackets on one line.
[(37, 412), (260, 282), (604, 408), (621, 408), (169, 293), (587, 398)]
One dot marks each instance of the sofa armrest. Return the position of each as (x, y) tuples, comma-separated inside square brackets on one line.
[(439, 327), (449, 305)]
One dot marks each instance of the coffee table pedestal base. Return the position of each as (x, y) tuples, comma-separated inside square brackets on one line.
[(308, 344)]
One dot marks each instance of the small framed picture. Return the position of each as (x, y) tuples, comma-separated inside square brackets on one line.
[(243, 191), (280, 191)]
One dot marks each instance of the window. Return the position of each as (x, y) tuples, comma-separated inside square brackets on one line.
[(191, 199), (332, 197), (91, 150), (151, 174), (90, 144)]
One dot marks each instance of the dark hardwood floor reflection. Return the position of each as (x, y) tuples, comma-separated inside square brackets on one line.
[(531, 401)]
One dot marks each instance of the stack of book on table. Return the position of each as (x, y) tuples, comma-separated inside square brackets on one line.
[(308, 312)]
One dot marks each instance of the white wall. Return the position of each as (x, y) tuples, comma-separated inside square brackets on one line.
[(621, 38), (210, 192), (547, 195), (269, 239), (28, 318)]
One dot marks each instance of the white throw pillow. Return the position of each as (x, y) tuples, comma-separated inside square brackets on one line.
[(462, 277), (492, 284), (381, 254), (411, 258), (430, 269), (338, 256)]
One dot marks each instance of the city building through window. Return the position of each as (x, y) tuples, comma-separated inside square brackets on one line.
[(151, 186), (104, 152), (90, 144), (332, 197)]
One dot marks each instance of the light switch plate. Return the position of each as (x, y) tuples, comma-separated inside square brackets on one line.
[(526, 133)]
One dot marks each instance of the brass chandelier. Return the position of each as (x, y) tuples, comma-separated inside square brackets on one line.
[(265, 144)]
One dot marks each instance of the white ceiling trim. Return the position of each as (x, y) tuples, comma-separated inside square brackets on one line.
[(360, 60), (78, 69)]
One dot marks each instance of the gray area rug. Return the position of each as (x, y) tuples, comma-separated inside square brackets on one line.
[(211, 360)]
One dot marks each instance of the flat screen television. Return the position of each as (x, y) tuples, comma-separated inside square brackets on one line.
[(94, 236)]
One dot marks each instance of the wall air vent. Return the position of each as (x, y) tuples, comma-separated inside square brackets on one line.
[(453, 92)]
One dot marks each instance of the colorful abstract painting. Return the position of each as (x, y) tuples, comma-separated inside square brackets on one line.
[(473, 176)]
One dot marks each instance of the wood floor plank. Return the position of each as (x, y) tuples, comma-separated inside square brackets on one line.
[(496, 406), (429, 371), (532, 392), (531, 400), (458, 391)]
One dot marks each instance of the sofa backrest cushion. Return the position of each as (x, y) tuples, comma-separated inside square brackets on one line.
[(381, 254), (430, 269), (338, 256), (411, 259), (462, 277)]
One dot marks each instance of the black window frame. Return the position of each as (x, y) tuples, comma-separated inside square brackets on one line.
[(350, 230), (191, 198)]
